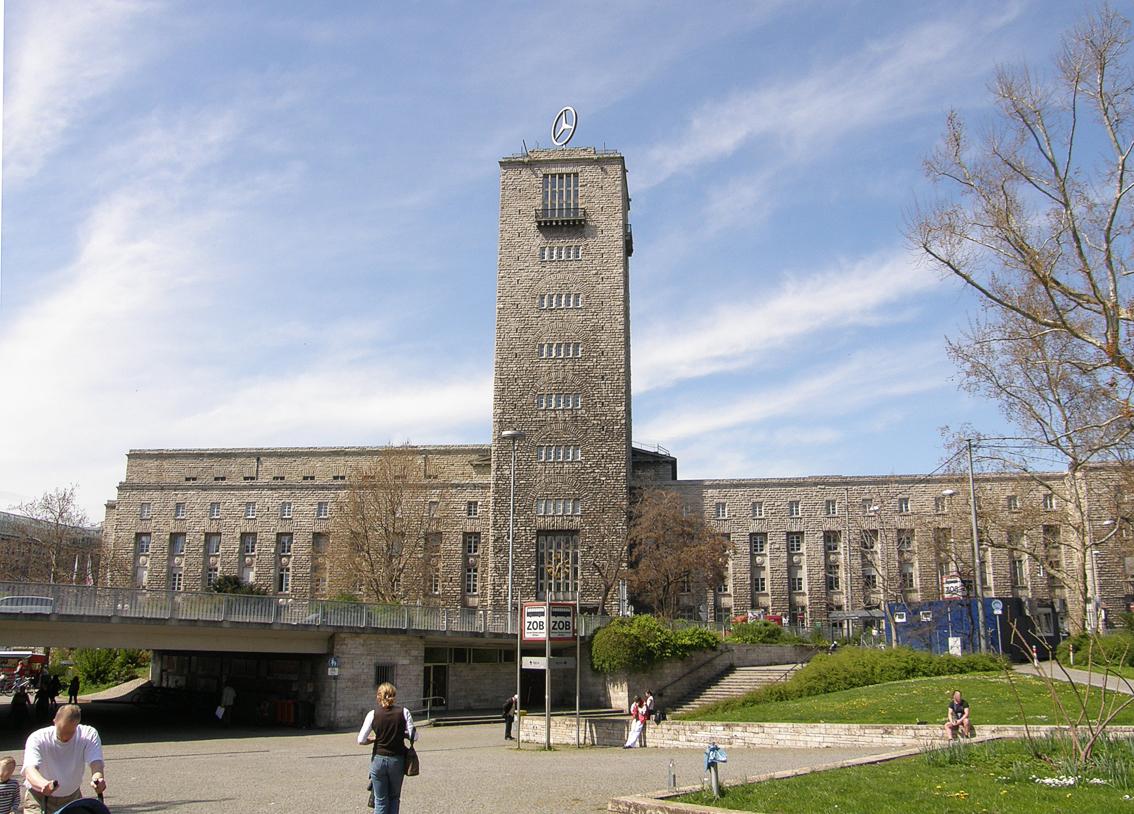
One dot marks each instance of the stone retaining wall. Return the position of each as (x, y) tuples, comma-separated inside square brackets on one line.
[(699, 734)]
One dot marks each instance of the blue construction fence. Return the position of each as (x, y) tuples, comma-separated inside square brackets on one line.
[(1014, 626)]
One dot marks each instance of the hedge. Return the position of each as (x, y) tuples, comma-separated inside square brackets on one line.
[(635, 643)]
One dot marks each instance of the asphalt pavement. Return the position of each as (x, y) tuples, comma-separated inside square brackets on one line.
[(171, 767)]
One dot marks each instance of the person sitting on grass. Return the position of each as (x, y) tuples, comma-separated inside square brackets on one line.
[(958, 717)]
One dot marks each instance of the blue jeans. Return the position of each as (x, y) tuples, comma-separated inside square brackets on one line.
[(387, 774)]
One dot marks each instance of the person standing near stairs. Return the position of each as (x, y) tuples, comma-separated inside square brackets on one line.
[(651, 708)]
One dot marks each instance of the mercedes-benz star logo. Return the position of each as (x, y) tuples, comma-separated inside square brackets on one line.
[(564, 126)]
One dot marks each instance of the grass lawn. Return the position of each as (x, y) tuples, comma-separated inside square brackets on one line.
[(920, 699), (993, 777)]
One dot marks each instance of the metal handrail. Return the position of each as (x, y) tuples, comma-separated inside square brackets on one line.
[(137, 603), (661, 692)]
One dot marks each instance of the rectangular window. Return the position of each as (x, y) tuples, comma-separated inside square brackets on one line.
[(249, 510), (319, 542), (907, 576), (558, 453), (903, 505), (1049, 502), (795, 542), (561, 194), (248, 575), (560, 350), (832, 541), (560, 300), (905, 539), (248, 543), (176, 579), (831, 508), (757, 508), (308, 477), (214, 511), (322, 510), (557, 564), (219, 478), (338, 477), (1013, 503), (177, 544), (721, 510), (472, 508), (283, 544), (431, 508), (179, 511), (435, 578), (142, 543), (283, 579), (1051, 537), (940, 504), (758, 540), (277, 477), (141, 576), (285, 510), (472, 543), (833, 578), (1019, 572), (867, 504), (212, 543), (145, 511), (472, 583), (559, 401), (211, 575), (759, 581), (560, 252), (554, 507), (793, 508), (795, 579), (869, 539), (870, 580)]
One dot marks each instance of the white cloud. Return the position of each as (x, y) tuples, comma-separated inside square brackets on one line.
[(868, 377), (885, 81), (735, 335), (61, 56)]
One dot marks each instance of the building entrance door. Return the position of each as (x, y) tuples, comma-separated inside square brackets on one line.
[(436, 686)]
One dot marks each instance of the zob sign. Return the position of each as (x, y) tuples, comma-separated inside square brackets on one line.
[(562, 622)]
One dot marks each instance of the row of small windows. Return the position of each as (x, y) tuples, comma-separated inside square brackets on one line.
[(559, 401), (212, 543), (558, 507), (554, 453), (869, 506), (796, 579), (223, 478), (832, 540), (286, 509), (560, 300), (560, 252), (560, 350)]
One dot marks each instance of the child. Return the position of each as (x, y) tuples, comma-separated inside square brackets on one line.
[(9, 788)]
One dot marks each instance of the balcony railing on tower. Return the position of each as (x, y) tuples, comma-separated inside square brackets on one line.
[(561, 216)]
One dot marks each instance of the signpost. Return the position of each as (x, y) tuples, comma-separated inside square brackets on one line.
[(998, 610), (562, 621), (549, 622)]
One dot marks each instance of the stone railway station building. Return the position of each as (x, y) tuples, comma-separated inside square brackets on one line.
[(820, 551)]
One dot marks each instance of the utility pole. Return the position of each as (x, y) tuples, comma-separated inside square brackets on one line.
[(978, 574)]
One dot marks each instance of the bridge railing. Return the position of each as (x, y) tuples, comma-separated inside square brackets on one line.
[(84, 600)]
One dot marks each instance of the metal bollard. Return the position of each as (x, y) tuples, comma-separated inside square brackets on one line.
[(672, 777)]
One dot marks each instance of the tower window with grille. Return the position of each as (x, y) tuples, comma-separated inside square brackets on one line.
[(561, 195), (557, 565)]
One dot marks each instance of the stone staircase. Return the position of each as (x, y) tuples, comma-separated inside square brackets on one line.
[(734, 683)]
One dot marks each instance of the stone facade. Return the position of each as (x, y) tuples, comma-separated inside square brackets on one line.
[(34, 551), (562, 334), (824, 551)]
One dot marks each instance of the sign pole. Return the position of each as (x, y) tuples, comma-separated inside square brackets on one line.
[(578, 661), (547, 666), (519, 647)]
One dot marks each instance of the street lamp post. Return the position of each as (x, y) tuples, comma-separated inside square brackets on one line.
[(978, 573)]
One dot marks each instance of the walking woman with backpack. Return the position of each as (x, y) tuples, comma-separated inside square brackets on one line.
[(387, 727)]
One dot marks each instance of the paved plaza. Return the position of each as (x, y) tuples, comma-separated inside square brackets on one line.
[(152, 768)]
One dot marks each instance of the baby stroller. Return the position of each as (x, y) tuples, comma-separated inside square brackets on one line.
[(85, 805)]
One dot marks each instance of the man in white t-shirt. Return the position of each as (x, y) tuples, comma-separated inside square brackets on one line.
[(55, 758)]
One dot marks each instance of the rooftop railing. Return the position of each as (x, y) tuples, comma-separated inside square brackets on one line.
[(32, 600)]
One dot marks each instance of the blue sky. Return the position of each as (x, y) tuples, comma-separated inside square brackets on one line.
[(274, 223)]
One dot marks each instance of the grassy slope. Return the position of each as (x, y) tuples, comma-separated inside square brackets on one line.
[(993, 777), (920, 699)]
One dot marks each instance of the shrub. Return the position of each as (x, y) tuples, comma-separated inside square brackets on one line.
[(231, 584), (762, 632), (853, 667), (108, 665), (1106, 650), (639, 642)]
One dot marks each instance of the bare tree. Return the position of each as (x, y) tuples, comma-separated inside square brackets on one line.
[(56, 526), (1039, 223), (607, 559), (386, 533), (672, 551)]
